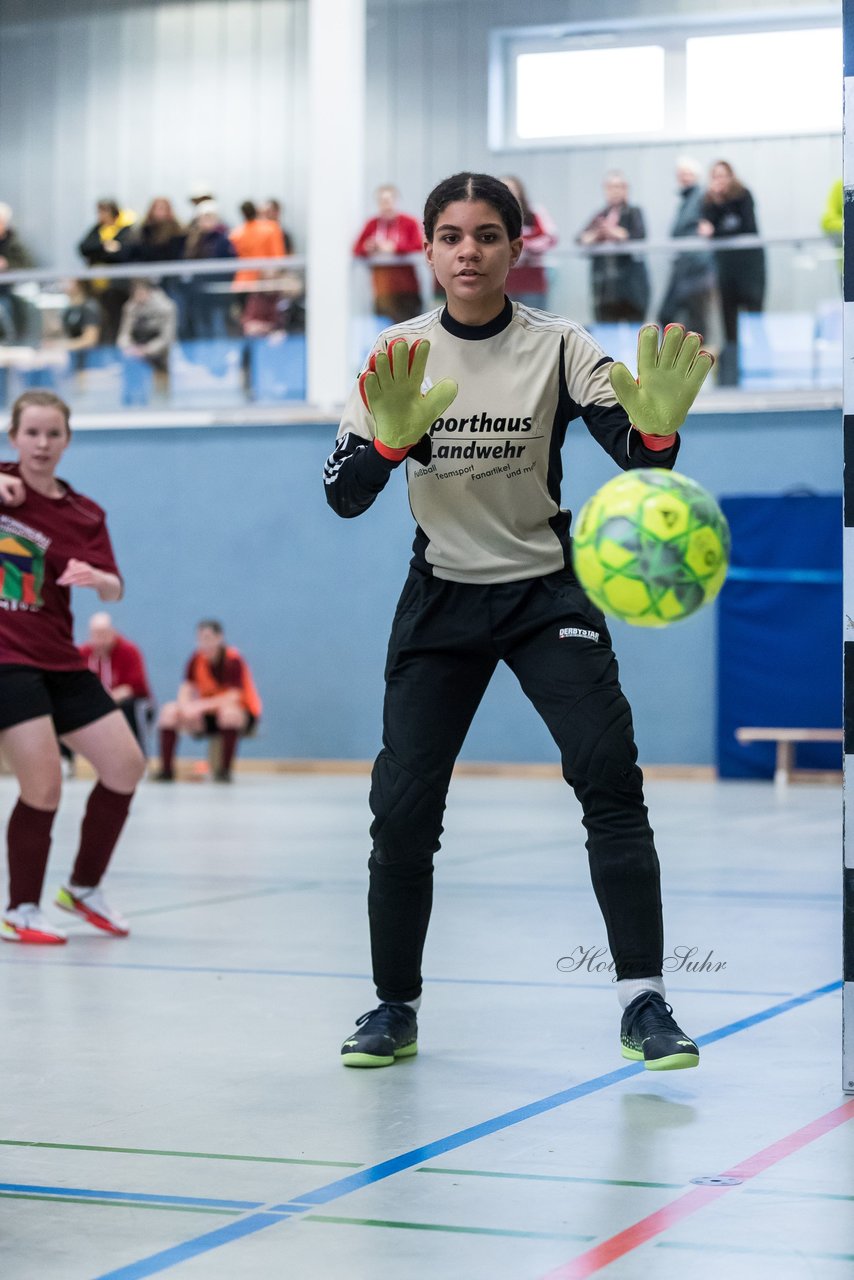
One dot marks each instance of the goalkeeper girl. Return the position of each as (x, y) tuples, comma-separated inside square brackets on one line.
[(475, 399)]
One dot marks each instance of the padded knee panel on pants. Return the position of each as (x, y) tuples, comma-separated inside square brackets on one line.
[(407, 813), (597, 741)]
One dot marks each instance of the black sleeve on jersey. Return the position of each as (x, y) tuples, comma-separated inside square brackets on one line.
[(354, 473), (610, 426)]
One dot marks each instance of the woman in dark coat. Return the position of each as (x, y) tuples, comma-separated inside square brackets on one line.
[(619, 281), (728, 211)]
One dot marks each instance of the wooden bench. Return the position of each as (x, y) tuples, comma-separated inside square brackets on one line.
[(786, 740)]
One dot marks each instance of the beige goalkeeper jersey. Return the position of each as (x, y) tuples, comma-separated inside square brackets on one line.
[(484, 483)]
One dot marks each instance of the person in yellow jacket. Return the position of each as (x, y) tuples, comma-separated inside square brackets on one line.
[(107, 242), (832, 218)]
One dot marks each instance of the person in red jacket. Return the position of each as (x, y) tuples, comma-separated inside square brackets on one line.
[(391, 233), (52, 539), (119, 666), (216, 697)]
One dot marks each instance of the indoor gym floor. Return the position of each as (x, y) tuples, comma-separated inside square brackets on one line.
[(173, 1103)]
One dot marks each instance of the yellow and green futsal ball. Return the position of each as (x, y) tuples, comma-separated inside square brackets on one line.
[(651, 547)]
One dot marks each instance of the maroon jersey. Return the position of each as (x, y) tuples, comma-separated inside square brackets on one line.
[(122, 665), (37, 539)]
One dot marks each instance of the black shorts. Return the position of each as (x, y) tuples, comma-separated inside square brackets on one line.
[(72, 698), (211, 728)]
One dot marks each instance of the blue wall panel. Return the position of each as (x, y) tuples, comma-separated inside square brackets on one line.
[(232, 522), (778, 629)]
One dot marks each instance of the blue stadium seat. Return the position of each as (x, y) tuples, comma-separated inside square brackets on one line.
[(775, 350), (277, 365)]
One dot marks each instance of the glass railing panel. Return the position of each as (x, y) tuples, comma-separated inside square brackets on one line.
[(234, 343), (793, 343), (206, 336)]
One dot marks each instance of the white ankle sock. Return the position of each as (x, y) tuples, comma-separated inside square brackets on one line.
[(628, 989)]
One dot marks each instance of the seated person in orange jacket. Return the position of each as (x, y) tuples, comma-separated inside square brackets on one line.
[(216, 696)]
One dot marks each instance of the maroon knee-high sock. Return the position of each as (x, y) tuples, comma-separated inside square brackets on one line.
[(28, 834), (168, 742), (102, 825), (229, 747)]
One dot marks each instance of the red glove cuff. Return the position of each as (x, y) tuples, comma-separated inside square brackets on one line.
[(657, 443), (392, 455)]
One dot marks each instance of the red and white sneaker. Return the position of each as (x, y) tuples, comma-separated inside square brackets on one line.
[(27, 923), (90, 905)]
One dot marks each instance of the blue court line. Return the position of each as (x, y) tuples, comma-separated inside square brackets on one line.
[(202, 1244), (340, 1187), (356, 977), (130, 1196)]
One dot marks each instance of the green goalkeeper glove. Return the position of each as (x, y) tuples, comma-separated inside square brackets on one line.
[(668, 380), (391, 390)]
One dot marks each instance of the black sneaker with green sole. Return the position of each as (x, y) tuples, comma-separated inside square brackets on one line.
[(386, 1033), (649, 1034)]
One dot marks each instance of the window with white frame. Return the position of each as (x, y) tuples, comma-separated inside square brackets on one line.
[(659, 80)]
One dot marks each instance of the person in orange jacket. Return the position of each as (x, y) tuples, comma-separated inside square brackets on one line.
[(216, 697)]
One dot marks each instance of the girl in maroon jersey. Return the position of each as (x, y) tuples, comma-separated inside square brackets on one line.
[(52, 539)]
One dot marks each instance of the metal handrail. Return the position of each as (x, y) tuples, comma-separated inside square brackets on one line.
[(297, 262), (155, 270)]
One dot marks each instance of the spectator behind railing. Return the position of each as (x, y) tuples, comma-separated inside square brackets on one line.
[(200, 202), (395, 288), (148, 328), (159, 237), (290, 306), (692, 275), (727, 211), (200, 193), (833, 218), (107, 242), (272, 210), (207, 306), (619, 281), (257, 238), (82, 322), (528, 281), (13, 257)]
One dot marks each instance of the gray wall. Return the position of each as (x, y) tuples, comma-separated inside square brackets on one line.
[(133, 100), (136, 98), (231, 522)]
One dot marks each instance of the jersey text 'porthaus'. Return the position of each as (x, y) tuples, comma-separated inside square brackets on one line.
[(484, 484)]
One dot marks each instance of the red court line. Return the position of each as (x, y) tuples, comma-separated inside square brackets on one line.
[(601, 1255)]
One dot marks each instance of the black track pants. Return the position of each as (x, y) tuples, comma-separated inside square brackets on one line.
[(446, 641)]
